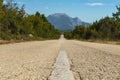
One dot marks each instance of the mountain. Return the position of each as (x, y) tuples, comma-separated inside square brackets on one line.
[(62, 21)]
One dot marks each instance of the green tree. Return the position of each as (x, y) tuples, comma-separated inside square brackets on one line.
[(16, 24), (117, 14)]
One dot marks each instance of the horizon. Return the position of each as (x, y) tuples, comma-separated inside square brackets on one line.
[(86, 10)]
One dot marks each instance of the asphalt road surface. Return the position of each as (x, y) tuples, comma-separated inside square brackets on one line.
[(35, 60)]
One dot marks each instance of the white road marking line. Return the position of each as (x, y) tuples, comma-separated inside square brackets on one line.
[(61, 70)]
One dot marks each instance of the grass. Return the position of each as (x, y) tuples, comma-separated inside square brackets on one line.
[(117, 42), (4, 42), (23, 40)]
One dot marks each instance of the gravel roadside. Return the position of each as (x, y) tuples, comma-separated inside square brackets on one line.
[(35, 60), (93, 62), (28, 60)]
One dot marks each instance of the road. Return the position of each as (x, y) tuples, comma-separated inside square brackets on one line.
[(35, 60)]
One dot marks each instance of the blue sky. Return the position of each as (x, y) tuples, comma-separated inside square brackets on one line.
[(86, 10)]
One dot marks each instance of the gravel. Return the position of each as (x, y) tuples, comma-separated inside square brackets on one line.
[(93, 61), (35, 60), (28, 60)]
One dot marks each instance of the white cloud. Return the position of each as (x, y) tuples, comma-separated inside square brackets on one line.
[(95, 4), (5, 2)]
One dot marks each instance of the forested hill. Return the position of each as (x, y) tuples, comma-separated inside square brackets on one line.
[(15, 23)]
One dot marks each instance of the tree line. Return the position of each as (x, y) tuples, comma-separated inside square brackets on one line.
[(107, 28), (15, 23)]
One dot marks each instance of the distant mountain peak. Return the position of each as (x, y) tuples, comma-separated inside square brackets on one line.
[(76, 18), (60, 14), (62, 21)]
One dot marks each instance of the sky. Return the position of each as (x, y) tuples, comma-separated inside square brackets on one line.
[(86, 10)]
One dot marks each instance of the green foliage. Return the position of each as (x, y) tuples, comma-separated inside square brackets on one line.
[(16, 24), (117, 14), (107, 28), (68, 34)]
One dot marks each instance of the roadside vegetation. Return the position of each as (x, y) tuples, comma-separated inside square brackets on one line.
[(106, 29), (16, 24)]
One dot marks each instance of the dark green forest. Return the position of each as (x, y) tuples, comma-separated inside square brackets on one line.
[(16, 24), (107, 28)]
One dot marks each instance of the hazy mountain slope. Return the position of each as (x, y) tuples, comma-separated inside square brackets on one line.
[(62, 21)]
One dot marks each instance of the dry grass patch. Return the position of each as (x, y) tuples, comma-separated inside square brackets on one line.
[(4, 42)]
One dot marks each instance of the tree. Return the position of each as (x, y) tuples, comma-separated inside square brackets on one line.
[(1, 10), (117, 14), (14, 24), (68, 34)]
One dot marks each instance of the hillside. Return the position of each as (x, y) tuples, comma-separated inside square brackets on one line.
[(62, 21)]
